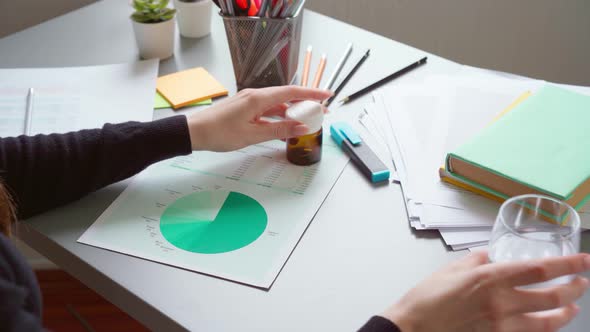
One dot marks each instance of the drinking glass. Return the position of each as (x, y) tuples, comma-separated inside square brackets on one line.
[(535, 226)]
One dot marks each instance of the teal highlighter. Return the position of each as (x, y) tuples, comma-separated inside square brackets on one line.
[(359, 152)]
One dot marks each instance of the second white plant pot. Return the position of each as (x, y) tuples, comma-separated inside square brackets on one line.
[(194, 18), (155, 40)]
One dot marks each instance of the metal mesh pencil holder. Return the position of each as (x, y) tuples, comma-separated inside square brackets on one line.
[(264, 51)]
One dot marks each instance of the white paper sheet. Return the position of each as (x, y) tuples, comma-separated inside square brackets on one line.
[(466, 235), (436, 217), (434, 117), (476, 247), (259, 176), (72, 98)]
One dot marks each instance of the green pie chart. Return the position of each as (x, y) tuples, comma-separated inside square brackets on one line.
[(213, 222)]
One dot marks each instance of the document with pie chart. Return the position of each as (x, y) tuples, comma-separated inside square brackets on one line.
[(235, 215)]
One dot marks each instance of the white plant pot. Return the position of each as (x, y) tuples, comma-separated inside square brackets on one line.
[(194, 18), (155, 40)]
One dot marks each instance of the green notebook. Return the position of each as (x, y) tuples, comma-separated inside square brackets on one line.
[(542, 146)]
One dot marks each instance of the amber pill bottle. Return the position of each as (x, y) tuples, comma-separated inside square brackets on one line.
[(307, 149)]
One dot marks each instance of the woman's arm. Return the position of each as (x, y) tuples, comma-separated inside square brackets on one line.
[(45, 171), (379, 324)]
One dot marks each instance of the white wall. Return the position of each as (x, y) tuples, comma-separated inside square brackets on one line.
[(16, 15), (547, 39)]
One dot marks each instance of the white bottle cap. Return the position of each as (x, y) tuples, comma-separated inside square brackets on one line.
[(308, 112)]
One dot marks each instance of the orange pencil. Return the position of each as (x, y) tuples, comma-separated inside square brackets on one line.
[(306, 64), (320, 72)]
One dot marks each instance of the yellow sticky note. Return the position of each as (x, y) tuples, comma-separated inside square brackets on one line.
[(160, 102), (189, 86)]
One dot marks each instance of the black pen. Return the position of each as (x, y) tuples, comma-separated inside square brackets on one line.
[(347, 78), (383, 81)]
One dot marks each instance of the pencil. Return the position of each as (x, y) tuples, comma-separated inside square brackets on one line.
[(286, 8), (383, 81), (262, 10), (276, 11), (339, 67), (295, 7), (223, 6), (306, 63), (230, 7), (29, 112), (320, 72), (347, 78)]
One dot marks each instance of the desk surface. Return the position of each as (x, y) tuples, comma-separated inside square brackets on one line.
[(357, 257)]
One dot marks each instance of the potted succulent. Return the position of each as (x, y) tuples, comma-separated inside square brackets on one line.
[(153, 24), (194, 17)]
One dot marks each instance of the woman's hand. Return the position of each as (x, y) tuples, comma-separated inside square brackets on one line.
[(236, 122), (472, 295)]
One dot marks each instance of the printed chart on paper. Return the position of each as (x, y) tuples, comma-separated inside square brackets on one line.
[(236, 215)]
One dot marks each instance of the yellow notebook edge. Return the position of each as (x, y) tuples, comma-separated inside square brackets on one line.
[(447, 177)]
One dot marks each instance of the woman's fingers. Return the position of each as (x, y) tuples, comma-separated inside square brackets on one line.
[(545, 321), (474, 259), (266, 130), (280, 109), (539, 270), (277, 110), (263, 99), (532, 300)]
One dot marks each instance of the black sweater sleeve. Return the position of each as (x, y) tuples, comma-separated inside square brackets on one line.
[(45, 171), (379, 324), (20, 299)]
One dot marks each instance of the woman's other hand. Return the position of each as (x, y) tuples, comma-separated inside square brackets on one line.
[(474, 295)]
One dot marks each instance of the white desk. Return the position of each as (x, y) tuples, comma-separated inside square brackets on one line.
[(358, 255)]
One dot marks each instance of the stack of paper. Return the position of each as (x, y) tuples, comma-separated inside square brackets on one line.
[(73, 98), (414, 126)]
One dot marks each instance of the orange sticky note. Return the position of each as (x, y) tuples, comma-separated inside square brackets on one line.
[(189, 86)]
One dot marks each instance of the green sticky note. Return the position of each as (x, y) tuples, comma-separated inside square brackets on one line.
[(542, 143), (160, 102)]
